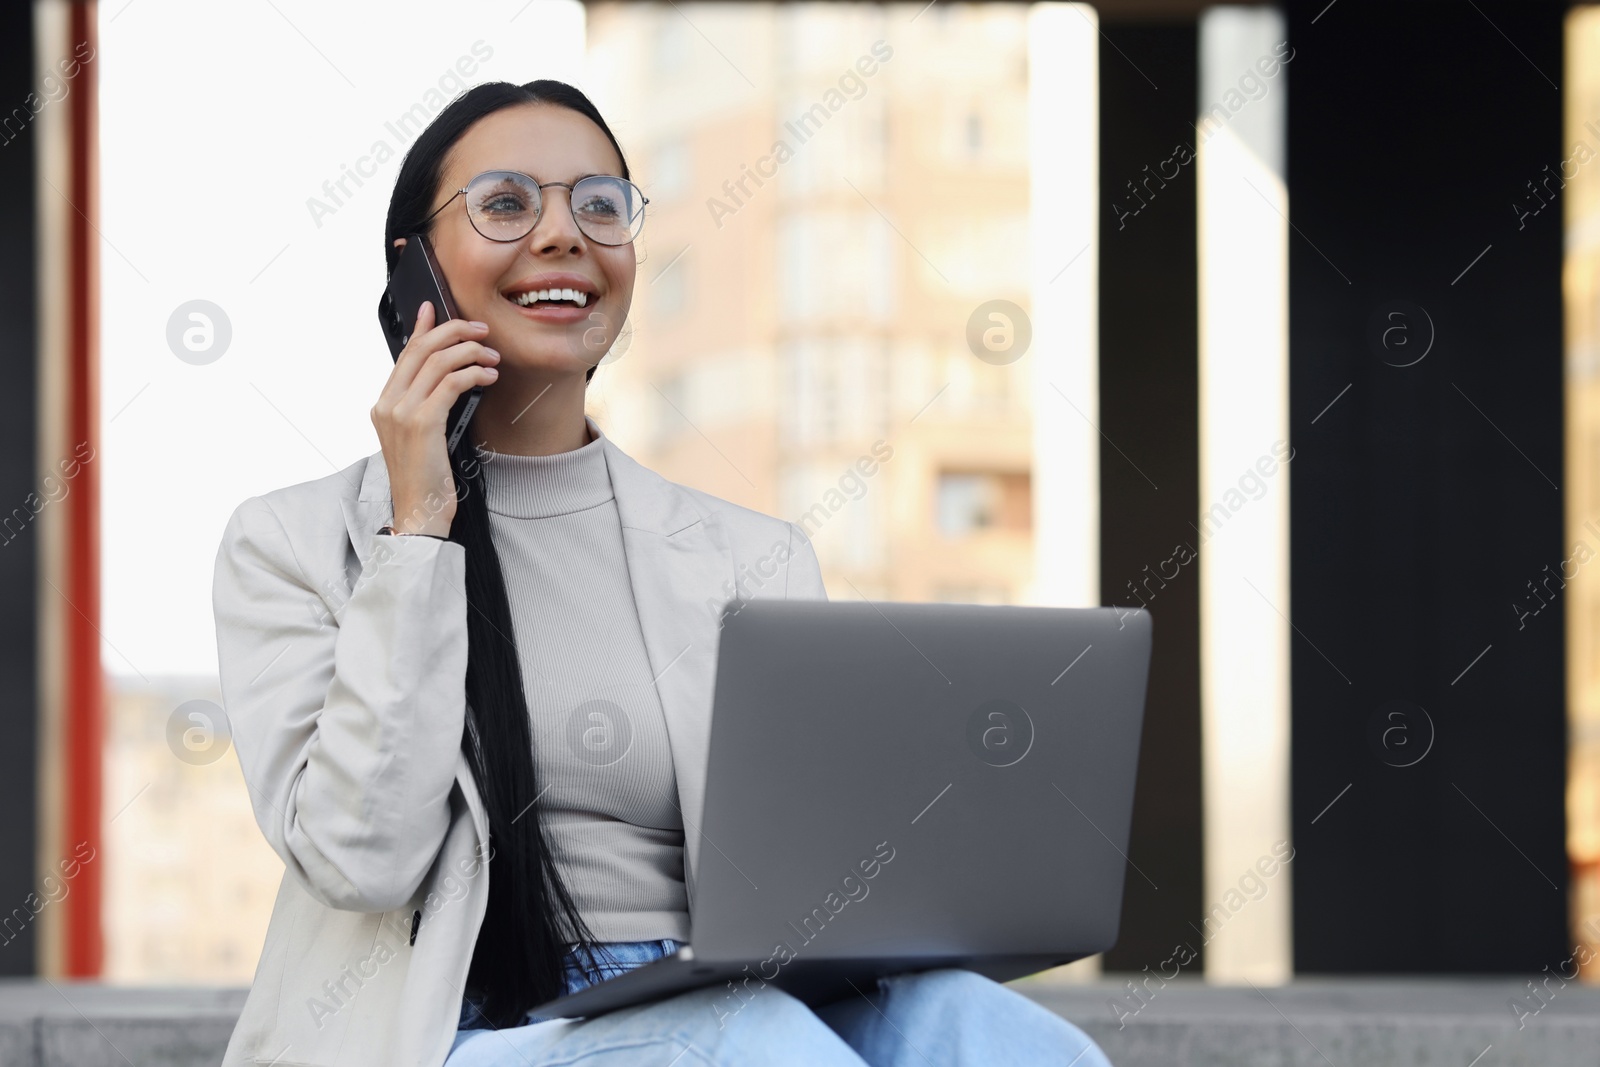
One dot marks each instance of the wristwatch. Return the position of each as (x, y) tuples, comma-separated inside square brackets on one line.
[(387, 529)]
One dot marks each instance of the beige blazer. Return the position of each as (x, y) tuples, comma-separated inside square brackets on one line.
[(343, 660)]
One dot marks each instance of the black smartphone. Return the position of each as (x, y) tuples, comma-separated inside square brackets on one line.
[(418, 277)]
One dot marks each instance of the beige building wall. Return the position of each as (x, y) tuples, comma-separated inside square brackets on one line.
[(190, 880), (834, 190)]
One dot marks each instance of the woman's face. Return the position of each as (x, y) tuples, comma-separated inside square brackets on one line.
[(550, 144)]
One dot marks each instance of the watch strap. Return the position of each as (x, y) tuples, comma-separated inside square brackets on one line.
[(388, 529)]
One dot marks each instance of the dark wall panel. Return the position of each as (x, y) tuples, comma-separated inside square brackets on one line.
[(19, 546), (1148, 466), (1426, 496)]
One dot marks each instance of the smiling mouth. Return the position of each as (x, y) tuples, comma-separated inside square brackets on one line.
[(570, 298)]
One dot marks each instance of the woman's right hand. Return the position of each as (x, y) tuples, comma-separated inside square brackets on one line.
[(436, 366)]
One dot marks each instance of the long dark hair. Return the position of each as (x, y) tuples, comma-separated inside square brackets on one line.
[(518, 961)]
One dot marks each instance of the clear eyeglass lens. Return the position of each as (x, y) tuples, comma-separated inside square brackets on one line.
[(505, 206)]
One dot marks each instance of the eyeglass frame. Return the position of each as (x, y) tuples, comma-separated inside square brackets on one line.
[(542, 186)]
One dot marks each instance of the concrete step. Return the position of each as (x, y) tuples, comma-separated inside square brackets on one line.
[(1312, 1022), (82, 1024), (1335, 1022)]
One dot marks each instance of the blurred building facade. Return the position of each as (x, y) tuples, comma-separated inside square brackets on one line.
[(189, 878), (829, 202)]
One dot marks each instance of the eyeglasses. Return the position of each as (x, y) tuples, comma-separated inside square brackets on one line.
[(505, 205)]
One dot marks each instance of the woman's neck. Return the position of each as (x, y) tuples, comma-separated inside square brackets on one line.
[(531, 415)]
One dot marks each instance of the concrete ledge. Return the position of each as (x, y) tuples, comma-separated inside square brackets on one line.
[(1340, 1022), (1315, 1023), (80, 1024)]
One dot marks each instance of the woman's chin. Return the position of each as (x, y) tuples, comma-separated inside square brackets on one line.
[(547, 360)]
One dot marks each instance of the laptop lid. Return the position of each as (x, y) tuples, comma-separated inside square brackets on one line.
[(904, 780)]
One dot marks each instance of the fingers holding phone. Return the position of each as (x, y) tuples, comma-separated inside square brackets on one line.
[(434, 352), (437, 365)]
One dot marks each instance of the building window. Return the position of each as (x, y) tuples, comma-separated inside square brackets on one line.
[(972, 594), (671, 422), (836, 265), (671, 44), (671, 168), (968, 502), (667, 289)]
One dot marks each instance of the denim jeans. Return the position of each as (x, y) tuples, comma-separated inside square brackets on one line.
[(620, 956), (928, 1019)]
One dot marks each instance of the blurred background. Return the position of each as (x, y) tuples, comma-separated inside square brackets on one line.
[(1279, 320)]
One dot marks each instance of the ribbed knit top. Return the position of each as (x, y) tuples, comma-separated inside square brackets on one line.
[(609, 797)]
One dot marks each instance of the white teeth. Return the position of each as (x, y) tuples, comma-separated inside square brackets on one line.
[(576, 296)]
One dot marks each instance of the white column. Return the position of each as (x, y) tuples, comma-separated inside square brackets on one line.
[(1064, 153), (1064, 159), (1244, 528)]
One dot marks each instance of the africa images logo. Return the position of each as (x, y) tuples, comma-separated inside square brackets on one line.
[(999, 732)]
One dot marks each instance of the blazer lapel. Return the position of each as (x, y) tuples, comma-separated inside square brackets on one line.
[(678, 562), (371, 508)]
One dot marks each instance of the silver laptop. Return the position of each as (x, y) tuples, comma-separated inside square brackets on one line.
[(899, 787)]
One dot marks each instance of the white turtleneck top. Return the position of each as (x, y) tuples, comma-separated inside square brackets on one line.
[(609, 798)]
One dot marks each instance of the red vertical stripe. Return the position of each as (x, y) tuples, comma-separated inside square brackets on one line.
[(84, 685)]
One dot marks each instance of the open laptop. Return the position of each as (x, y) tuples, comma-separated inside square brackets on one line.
[(899, 787)]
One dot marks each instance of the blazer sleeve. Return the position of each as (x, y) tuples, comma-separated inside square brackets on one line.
[(347, 723), (804, 573)]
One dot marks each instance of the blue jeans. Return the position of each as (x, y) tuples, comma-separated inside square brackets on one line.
[(928, 1019)]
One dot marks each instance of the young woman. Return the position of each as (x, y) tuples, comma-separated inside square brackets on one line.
[(471, 694)]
